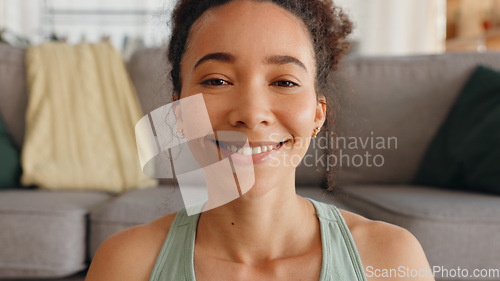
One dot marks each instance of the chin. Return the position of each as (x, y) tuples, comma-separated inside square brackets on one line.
[(268, 179)]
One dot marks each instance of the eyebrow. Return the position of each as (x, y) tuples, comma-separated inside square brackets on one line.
[(229, 58), (285, 60), (222, 57)]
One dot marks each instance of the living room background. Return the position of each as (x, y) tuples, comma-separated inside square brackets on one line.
[(122, 22), (438, 177), (383, 27)]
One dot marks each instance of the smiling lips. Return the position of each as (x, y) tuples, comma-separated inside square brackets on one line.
[(249, 151)]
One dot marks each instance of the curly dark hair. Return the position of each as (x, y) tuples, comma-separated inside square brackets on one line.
[(327, 23)]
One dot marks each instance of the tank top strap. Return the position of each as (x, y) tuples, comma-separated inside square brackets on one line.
[(175, 261), (341, 260)]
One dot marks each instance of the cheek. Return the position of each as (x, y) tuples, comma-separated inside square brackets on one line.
[(217, 109), (298, 116), (298, 119)]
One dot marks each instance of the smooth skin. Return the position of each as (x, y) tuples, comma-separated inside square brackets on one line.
[(260, 83)]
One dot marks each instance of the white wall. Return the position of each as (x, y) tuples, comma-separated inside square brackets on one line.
[(398, 27), (20, 16), (384, 27), (28, 17), (2, 14)]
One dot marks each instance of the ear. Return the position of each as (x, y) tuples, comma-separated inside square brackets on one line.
[(320, 116), (178, 114)]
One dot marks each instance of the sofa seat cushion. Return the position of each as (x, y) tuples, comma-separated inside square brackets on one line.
[(43, 233), (132, 208), (455, 228)]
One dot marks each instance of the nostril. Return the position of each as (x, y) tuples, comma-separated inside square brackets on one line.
[(250, 116)]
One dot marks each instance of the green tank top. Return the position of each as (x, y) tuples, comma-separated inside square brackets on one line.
[(340, 261)]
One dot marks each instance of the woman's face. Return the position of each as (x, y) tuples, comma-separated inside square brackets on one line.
[(254, 64)]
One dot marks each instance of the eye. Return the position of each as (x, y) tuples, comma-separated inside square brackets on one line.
[(215, 82), (285, 84)]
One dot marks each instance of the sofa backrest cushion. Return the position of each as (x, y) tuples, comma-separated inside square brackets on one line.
[(13, 97), (150, 73), (407, 98), (465, 152)]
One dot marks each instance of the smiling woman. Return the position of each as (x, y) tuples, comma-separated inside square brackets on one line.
[(261, 67)]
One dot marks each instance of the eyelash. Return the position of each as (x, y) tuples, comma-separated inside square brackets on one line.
[(210, 82), (290, 84)]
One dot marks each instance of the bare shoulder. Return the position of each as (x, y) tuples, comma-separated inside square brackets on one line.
[(387, 251), (130, 254)]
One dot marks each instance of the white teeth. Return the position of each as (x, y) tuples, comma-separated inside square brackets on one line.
[(256, 150), (247, 151)]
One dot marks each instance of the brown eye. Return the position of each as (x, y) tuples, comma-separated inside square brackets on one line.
[(285, 84), (215, 82)]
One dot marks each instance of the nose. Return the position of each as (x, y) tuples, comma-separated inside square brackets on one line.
[(251, 109)]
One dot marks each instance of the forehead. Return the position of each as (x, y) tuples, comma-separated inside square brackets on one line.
[(250, 29)]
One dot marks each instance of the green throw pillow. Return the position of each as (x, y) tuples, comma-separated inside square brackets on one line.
[(465, 153), (10, 168)]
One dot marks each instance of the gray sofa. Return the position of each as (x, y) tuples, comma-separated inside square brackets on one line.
[(53, 234)]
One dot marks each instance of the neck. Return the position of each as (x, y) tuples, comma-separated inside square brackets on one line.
[(254, 229)]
